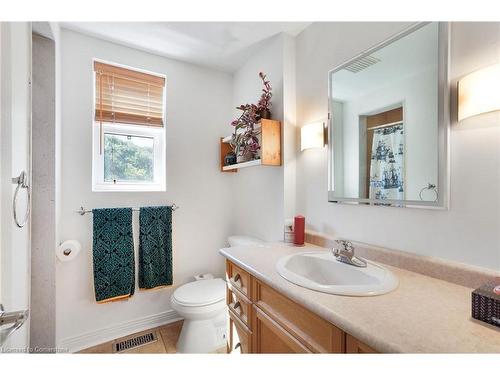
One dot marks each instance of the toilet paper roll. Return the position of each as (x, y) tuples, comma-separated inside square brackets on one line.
[(204, 276), (68, 250)]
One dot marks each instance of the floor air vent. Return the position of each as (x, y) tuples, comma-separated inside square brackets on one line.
[(134, 342)]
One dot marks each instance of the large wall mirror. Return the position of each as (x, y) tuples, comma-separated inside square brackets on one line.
[(388, 128)]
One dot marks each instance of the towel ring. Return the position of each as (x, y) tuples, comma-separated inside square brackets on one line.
[(429, 187), (21, 182)]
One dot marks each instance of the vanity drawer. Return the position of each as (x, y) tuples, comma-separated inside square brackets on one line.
[(239, 305), (240, 337), (314, 332), (238, 278)]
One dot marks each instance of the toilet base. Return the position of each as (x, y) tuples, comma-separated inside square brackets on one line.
[(202, 336)]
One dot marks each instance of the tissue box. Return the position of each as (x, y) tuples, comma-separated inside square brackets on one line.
[(486, 303), (288, 233)]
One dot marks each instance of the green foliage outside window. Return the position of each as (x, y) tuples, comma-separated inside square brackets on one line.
[(128, 158)]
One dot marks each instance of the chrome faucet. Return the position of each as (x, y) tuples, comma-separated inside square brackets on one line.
[(345, 254)]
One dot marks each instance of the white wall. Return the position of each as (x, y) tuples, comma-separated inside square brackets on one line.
[(468, 231), (290, 129), (197, 112), (259, 199)]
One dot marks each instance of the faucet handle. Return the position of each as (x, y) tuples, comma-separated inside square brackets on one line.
[(346, 245), (345, 254)]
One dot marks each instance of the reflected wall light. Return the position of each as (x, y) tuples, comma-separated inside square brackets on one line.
[(312, 136), (479, 92)]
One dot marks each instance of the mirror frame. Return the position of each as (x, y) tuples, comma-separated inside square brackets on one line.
[(443, 124)]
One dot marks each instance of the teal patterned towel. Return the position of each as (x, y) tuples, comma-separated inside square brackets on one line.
[(155, 247), (113, 253)]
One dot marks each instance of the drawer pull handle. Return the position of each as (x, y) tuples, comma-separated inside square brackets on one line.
[(238, 345), (237, 279)]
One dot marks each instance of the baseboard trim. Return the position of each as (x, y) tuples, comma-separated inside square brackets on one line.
[(86, 340)]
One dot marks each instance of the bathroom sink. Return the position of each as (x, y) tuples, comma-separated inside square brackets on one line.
[(322, 272)]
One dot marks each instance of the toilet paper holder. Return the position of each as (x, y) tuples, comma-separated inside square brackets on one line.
[(68, 250)]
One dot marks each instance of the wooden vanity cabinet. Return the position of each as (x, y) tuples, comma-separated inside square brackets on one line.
[(239, 336), (354, 346), (271, 338), (238, 279), (263, 320), (239, 305), (318, 335)]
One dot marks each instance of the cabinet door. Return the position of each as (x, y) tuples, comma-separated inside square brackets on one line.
[(270, 337), (316, 333), (240, 337), (354, 346)]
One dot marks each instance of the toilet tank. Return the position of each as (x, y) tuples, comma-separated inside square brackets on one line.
[(244, 241)]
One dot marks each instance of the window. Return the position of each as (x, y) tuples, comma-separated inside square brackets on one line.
[(128, 130)]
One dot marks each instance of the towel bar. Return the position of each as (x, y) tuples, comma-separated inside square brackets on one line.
[(82, 211)]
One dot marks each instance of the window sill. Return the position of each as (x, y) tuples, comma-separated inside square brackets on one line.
[(138, 188)]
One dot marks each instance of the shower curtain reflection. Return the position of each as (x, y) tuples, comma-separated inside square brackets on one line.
[(387, 163)]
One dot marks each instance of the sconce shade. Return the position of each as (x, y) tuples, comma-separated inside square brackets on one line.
[(479, 92), (312, 136)]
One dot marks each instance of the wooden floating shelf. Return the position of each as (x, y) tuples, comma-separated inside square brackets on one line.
[(250, 163), (226, 139), (270, 147), (225, 149)]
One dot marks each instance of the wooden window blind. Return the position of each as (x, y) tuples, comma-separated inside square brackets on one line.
[(127, 96)]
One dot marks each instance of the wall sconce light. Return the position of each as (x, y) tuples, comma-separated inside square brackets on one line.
[(479, 92), (312, 136)]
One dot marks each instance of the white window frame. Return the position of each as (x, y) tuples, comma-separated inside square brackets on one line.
[(159, 170), (157, 133)]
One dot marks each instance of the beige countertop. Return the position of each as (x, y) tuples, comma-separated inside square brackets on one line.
[(423, 315)]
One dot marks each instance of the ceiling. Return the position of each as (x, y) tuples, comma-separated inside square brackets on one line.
[(220, 45)]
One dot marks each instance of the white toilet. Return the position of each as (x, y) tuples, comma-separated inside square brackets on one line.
[(202, 304)]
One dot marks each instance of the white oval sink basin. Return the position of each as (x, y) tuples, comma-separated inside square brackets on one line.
[(322, 272)]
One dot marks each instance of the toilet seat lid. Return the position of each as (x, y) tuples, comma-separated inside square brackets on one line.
[(201, 293)]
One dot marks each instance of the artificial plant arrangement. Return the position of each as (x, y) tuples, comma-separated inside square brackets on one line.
[(264, 104), (245, 141)]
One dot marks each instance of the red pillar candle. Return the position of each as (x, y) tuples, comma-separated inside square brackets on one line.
[(299, 228)]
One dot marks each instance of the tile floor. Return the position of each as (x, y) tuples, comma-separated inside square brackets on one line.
[(167, 336)]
